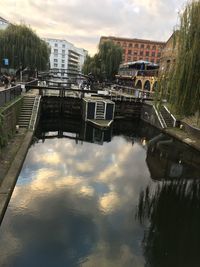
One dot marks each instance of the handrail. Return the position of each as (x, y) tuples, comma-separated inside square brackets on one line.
[(157, 114), (174, 119), (34, 113)]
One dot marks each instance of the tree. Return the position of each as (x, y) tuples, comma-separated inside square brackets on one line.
[(184, 85), (104, 64), (23, 47)]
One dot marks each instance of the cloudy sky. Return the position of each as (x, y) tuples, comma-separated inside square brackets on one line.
[(83, 22)]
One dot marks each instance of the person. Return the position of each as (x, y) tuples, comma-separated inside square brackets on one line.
[(13, 81), (6, 81)]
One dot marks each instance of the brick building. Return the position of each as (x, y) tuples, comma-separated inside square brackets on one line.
[(137, 49), (169, 54)]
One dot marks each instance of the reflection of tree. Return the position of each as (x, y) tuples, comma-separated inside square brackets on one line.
[(173, 236)]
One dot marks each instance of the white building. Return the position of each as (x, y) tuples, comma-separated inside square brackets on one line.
[(65, 57), (3, 23)]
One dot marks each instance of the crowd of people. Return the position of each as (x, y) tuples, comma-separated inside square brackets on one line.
[(7, 80)]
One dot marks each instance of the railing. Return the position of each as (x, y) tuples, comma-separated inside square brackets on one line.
[(162, 124), (171, 115), (134, 92), (34, 113), (9, 94), (33, 82)]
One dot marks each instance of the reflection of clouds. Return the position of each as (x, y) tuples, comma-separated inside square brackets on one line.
[(84, 167), (110, 173), (68, 194), (125, 257), (109, 202), (87, 191)]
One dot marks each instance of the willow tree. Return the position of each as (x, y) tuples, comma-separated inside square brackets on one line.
[(104, 64), (23, 47), (184, 84)]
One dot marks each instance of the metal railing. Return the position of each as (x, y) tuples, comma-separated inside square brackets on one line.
[(134, 92), (9, 94)]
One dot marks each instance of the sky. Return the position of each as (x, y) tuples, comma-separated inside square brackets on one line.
[(83, 22)]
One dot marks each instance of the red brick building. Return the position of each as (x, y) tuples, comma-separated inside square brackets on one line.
[(137, 49)]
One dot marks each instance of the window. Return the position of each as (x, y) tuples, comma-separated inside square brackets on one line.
[(63, 65), (158, 61), (141, 46), (55, 60), (63, 56), (56, 45), (159, 54), (63, 61), (55, 65), (129, 52), (154, 47), (129, 58), (63, 46), (55, 51), (136, 45), (147, 53), (153, 54), (130, 45), (148, 46), (135, 53), (63, 51), (141, 53)]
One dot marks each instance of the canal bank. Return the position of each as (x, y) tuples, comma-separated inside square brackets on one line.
[(10, 166)]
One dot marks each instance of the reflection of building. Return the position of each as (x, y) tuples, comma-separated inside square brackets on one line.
[(3, 23), (170, 159), (65, 56), (169, 53), (50, 128), (137, 49)]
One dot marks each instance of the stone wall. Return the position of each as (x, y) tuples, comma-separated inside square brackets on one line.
[(8, 120), (148, 114)]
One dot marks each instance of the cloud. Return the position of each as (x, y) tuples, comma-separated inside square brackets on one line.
[(83, 22)]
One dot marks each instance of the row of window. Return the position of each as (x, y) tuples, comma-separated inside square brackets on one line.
[(56, 51), (56, 60), (142, 46), (56, 45), (141, 53), (56, 65)]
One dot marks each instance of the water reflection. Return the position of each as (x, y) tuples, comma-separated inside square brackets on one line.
[(173, 234), (73, 205), (169, 159), (75, 201)]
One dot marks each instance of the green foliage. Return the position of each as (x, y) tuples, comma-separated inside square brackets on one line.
[(23, 47), (183, 87), (104, 64)]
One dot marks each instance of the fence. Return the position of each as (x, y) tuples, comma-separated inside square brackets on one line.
[(9, 94)]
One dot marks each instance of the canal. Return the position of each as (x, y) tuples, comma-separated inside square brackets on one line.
[(90, 198)]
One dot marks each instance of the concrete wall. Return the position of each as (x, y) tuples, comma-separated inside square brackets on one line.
[(8, 121), (148, 115)]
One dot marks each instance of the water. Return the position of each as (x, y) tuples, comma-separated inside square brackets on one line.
[(96, 198)]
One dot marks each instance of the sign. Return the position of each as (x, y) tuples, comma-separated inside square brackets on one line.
[(6, 61)]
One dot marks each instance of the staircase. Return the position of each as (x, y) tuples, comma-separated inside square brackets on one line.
[(26, 111), (100, 110), (166, 117)]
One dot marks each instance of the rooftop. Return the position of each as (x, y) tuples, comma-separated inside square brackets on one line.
[(132, 39)]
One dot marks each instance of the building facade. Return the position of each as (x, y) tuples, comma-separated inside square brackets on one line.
[(169, 54), (137, 49), (3, 23), (65, 57)]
